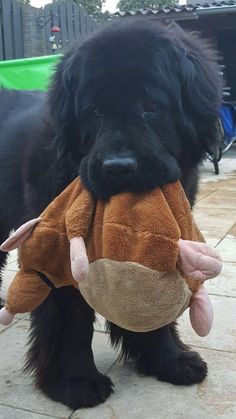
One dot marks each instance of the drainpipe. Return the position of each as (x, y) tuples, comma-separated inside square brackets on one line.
[(214, 11)]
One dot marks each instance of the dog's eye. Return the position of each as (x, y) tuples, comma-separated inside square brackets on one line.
[(97, 113), (150, 105)]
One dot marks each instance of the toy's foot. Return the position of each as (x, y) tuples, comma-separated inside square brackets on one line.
[(201, 312), (77, 392), (184, 368)]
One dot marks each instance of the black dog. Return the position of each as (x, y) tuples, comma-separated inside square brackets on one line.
[(130, 109)]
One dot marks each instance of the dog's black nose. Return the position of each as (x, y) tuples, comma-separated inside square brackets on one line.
[(119, 166)]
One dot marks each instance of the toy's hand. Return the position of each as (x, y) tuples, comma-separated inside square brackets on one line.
[(79, 259), (6, 318), (199, 260)]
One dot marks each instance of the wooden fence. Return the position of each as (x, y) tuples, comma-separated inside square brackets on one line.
[(25, 31)]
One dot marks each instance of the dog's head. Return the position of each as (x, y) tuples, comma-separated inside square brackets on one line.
[(135, 103)]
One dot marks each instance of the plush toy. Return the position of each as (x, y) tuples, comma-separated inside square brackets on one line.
[(138, 259)]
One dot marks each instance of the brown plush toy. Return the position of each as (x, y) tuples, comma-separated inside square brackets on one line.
[(138, 260)]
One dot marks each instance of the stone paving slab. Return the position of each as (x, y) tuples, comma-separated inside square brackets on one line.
[(227, 248), (8, 276), (232, 231), (225, 283), (99, 324), (4, 328), (7, 412), (205, 189), (105, 356), (223, 334), (138, 397), (214, 223), (217, 200), (16, 388)]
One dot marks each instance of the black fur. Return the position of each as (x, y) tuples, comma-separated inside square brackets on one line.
[(134, 92)]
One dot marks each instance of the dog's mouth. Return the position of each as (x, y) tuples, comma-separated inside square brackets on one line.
[(146, 176)]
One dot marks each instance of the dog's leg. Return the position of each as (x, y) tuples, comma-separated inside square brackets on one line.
[(60, 354), (4, 232), (161, 354), (3, 258), (189, 180)]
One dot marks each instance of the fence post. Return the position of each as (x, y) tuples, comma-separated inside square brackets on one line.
[(17, 30), (7, 30), (33, 33), (1, 38)]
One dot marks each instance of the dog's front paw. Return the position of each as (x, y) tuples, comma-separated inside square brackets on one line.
[(77, 392), (185, 368)]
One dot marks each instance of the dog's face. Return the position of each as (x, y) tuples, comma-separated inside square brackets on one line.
[(135, 103)]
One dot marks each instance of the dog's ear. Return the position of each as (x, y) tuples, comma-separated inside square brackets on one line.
[(61, 101), (201, 91)]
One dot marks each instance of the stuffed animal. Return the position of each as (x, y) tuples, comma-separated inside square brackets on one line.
[(138, 259)]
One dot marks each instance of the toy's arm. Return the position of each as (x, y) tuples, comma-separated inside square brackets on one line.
[(79, 259), (79, 216), (19, 236), (78, 220)]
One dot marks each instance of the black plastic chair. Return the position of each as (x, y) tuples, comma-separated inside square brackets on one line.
[(226, 133)]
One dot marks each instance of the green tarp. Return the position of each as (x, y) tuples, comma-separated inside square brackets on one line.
[(27, 73)]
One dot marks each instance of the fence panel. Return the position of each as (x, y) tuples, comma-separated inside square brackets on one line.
[(25, 30), (56, 21), (17, 30), (64, 36), (82, 24), (7, 29), (47, 26), (69, 16), (1, 38), (76, 13)]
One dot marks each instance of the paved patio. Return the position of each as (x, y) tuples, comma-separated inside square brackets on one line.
[(146, 398)]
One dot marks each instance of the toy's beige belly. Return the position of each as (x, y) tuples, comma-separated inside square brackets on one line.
[(150, 301)]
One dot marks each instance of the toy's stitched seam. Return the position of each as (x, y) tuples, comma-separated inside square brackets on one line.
[(51, 229), (162, 236)]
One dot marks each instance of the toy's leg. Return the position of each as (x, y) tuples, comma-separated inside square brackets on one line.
[(25, 293), (201, 312), (61, 356), (160, 353)]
